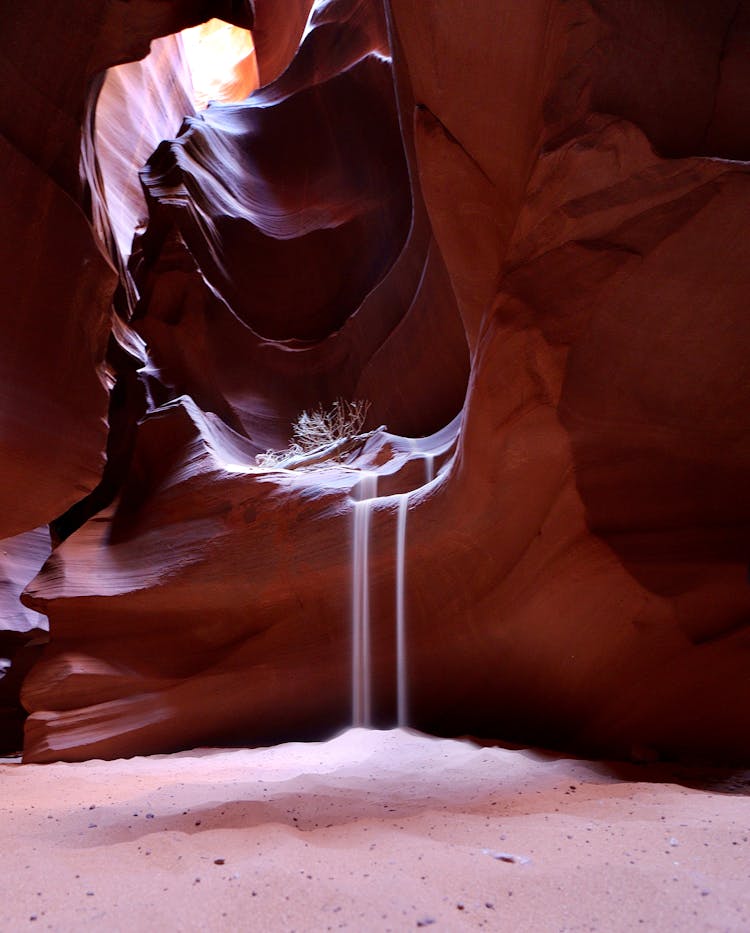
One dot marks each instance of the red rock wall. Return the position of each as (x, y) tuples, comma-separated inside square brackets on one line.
[(570, 204), (58, 277), (607, 408)]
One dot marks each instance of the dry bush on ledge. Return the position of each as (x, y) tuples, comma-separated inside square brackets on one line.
[(321, 432)]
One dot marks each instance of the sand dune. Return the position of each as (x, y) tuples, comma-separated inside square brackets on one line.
[(371, 831)]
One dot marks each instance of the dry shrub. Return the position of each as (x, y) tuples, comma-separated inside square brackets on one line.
[(316, 430)]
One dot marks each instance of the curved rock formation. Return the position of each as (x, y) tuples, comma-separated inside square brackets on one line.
[(609, 365), (58, 279), (139, 104), (274, 277), (22, 631), (277, 31), (538, 186)]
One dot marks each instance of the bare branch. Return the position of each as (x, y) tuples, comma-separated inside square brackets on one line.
[(321, 435)]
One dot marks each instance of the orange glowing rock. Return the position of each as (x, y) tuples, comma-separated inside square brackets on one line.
[(222, 62)]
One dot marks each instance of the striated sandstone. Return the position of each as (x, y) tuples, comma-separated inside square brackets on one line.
[(556, 186)]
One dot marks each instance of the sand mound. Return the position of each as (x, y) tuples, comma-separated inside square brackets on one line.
[(370, 831)]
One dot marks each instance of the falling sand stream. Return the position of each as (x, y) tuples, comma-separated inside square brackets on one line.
[(361, 633), (361, 667), (401, 679)]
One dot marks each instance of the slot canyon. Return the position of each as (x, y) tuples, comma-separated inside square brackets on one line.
[(495, 254)]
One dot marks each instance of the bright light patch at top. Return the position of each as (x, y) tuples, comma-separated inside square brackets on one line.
[(222, 62)]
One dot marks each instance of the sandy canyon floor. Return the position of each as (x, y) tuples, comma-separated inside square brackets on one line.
[(371, 831)]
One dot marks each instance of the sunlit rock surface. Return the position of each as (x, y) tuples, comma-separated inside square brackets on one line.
[(139, 104), (540, 193), (222, 62), (277, 32)]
